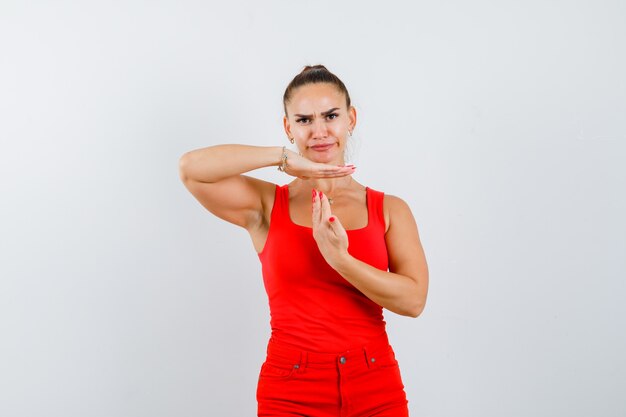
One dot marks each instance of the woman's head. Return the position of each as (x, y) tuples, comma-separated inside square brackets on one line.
[(312, 75), (318, 115)]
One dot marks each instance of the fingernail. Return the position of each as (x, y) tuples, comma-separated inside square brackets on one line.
[(313, 194), (321, 194), (331, 219)]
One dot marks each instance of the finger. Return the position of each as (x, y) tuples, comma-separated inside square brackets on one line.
[(335, 172), (336, 175), (326, 211), (325, 168), (347, 168), (336, 225), (316, 210), (342, 171)]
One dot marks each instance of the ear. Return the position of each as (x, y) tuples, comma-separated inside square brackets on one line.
[(287, 126), (352, 117)]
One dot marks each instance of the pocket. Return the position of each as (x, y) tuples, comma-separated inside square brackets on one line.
[(384, 358), (386, 370), (277, 371)]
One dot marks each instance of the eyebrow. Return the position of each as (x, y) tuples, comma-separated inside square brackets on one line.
[(324, 113)]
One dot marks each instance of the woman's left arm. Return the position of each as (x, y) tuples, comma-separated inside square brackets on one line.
[(402, 289)]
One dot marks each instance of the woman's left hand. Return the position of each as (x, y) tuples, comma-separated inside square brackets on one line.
[(331, 237)]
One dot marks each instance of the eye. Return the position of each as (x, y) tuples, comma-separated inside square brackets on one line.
[(332, 116), (302, 120)]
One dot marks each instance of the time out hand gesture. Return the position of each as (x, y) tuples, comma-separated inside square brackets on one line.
[(330, 235), (301, 167)]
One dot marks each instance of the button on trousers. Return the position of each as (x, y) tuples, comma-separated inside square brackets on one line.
[(363, 382)]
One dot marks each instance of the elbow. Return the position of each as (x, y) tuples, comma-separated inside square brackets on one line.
[(410, 307), (417, 301), (183, 165), (415, 310), (413, 313), (194, 166), (404, 310)]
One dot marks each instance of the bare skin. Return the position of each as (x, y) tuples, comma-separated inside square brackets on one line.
[(319, 122)]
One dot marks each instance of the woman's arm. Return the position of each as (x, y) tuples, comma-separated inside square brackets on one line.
[(402, 289), (213, 176)]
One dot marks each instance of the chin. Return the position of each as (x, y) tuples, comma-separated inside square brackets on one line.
[(333, 154), (322, 156)]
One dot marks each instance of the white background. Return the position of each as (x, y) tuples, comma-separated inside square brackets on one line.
[(501, 123)]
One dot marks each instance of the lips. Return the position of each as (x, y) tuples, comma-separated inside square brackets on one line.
[(322, 147)]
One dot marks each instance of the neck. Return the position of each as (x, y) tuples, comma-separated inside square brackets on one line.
[(328, 185)]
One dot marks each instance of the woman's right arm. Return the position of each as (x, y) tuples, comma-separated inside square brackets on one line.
[(213, 176)]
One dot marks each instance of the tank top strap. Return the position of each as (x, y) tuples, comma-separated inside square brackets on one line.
[(375, 207), (281, 205)]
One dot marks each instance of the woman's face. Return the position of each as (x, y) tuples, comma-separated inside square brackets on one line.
[(319, 121)]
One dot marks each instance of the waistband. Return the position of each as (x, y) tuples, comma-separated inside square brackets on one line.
[(278, 350)]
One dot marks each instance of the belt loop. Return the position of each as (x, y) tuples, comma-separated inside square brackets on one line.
[(367, 357), (304, 357)]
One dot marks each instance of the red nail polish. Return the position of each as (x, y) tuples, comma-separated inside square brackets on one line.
[(321, 194), (331, 219)]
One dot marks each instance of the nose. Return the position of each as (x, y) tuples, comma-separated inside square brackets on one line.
[(319, 129)]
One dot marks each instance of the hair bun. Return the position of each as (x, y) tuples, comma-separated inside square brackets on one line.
[(318, 67)]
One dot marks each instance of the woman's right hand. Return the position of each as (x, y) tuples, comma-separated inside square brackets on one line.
[(301, 167)]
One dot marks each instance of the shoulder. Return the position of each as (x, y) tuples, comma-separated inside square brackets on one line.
[(265, 188), (396, 211), (394, 202)]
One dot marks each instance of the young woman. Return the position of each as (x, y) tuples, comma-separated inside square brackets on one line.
[(334, 253)]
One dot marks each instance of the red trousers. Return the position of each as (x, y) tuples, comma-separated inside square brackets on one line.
[(363, 382)]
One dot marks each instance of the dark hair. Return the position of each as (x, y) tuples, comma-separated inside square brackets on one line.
[(313, 75)]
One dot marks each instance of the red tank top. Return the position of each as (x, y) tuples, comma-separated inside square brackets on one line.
[(311, 305)]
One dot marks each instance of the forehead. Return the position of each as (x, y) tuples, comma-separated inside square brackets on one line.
[(317, 97)]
